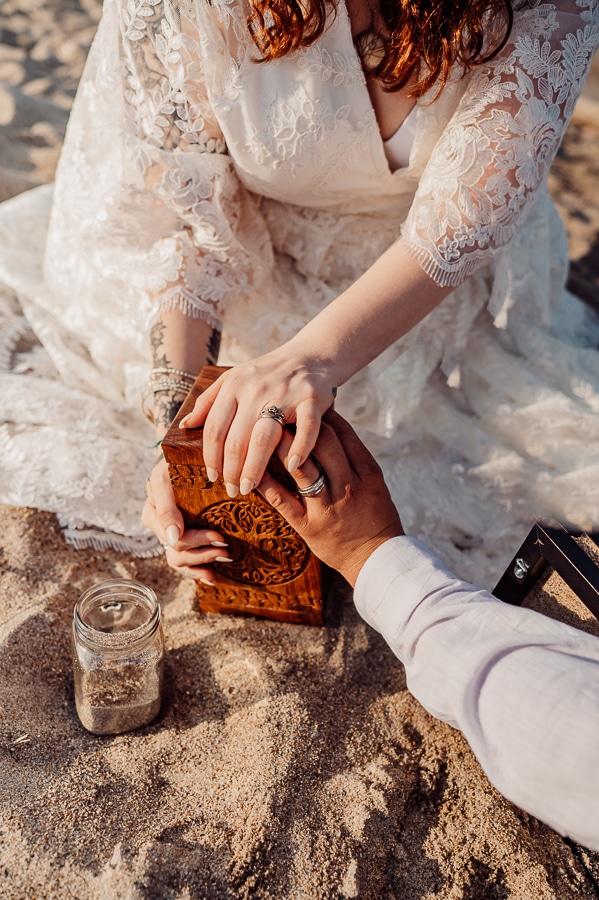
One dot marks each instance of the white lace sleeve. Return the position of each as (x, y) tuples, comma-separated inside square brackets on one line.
[(178, 182), (499, 144)]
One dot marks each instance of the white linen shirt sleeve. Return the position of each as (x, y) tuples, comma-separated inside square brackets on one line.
[(523, 688)]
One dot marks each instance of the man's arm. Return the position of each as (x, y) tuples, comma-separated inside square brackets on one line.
[(523, 688)]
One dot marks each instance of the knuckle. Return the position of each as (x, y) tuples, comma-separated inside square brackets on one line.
[(174, 558), (235, 447), (275, 498), (213, 433), (262, 439), (311, 423)]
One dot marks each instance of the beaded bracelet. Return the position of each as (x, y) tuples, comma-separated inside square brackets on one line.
[(168, 370)]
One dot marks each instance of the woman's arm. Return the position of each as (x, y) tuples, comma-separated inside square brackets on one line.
[(192, 234), (301, 376), (479, 183), (182, 344), (388, 300)]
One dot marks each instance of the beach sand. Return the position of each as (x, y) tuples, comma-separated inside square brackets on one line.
[(287, 761)]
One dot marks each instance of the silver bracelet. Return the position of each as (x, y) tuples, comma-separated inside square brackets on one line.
[(153, 387), (168, 370)]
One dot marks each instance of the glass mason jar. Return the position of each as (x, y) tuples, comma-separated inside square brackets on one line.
[(118, 656)]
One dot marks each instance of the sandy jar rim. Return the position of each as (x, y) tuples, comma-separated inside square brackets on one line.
[(109, 589)]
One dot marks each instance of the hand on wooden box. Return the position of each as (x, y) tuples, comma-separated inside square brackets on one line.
[(273, 574)]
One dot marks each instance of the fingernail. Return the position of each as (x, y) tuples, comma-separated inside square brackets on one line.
[(184, 421), (212, 474), (218, 544), (246, 485), (232, 490), (172, 535), (205, 581), (293, 463), (222, 559)]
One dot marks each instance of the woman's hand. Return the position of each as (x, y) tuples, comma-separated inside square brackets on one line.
[(237, 441), (346, 521), (188, 552)]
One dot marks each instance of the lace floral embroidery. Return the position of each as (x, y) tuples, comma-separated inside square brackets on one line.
[(484, 172), (171, 129)]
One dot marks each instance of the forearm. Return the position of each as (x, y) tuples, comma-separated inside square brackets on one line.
[(388, 300), (521, 687), (179, 343)]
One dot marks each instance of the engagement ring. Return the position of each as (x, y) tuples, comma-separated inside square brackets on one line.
[(273, 412)]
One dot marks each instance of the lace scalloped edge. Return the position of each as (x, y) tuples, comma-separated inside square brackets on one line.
[(441, 276), (9, 338), (188, 308), (93, 539)]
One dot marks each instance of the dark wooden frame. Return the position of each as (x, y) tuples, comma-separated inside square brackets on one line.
[(555, 547)]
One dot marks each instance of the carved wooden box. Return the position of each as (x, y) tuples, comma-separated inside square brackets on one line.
[(273, 574)]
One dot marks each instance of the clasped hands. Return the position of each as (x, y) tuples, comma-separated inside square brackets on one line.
[(237, 440), (343, 524)]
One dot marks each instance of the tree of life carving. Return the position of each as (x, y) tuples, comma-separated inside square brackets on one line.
[(264, 548)]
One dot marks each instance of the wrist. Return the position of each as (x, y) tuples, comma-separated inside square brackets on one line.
[(302, 355), (360, 556), (166, 405), (163, 395), (326, 347)]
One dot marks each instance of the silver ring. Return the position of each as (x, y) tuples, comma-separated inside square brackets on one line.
[(273, 412), (165, 545), (314, 489)]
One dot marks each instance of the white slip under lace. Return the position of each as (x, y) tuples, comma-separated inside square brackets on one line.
[(399, 145)]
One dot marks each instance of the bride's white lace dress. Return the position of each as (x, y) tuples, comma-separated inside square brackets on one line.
[(252, 194)]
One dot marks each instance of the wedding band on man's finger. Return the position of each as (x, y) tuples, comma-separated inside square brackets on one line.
[(314, 489), (317, 486)]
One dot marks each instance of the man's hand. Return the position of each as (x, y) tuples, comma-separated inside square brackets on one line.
[(354, 513)]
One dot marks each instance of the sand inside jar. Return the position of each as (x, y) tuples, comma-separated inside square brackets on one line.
[(118, 698)]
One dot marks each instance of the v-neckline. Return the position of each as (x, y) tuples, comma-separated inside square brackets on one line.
[(342, 8)]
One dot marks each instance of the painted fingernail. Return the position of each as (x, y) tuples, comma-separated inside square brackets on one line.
[(222, 559), (205, 581), (232, 489), (172, 535), (293, 463), (246, 485), (184, 421), (218, 544), (211, 473)]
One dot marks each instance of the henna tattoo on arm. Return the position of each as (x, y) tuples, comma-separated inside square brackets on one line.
[(165, 338), (213, 347), (157, 341), (166, 406)]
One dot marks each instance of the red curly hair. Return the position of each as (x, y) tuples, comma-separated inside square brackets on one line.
[(425, 38)]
